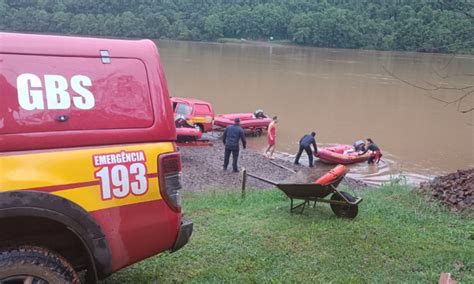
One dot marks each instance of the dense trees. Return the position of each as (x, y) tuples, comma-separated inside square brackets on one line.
[(415, 25)]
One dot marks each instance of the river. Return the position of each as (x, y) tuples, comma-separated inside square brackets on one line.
[(343, 95)]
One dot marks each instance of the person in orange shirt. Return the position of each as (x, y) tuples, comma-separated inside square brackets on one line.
[(271, 138)]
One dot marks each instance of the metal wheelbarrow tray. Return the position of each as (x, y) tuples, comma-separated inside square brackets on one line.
[(342, 203)]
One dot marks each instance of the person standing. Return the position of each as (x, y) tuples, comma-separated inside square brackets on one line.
[(271, 138), (376, 154), (305, 144), (232, 135)]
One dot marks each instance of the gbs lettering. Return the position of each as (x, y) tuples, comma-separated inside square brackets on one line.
[(53, 92)]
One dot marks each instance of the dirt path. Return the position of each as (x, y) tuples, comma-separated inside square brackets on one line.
[(202, 170)]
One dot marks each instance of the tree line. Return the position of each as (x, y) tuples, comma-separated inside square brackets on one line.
[(408, 25)]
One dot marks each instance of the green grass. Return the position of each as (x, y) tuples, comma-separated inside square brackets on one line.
[(397, 237)]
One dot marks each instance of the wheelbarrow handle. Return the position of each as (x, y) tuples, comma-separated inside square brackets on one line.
[(261, 178), (283, 167)]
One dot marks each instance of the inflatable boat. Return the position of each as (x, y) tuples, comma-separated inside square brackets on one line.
[(247, 120), (342, 154), (332, 175), (186, 132)]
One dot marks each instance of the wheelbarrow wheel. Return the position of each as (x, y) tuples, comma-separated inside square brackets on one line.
[(344, 211), (258, 132)]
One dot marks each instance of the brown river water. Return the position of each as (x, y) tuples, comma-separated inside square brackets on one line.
[(343, 95)]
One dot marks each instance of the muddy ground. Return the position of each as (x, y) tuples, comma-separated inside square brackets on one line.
[(202, 170)]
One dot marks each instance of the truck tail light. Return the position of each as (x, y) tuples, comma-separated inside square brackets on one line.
[(169, 172)]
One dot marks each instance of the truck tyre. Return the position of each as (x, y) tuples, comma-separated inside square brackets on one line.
[(28, 264), (257, 132)]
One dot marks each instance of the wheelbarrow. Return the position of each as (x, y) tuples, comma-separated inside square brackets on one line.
[(342, 203)]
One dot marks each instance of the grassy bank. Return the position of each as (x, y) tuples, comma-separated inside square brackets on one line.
[(397, 237)]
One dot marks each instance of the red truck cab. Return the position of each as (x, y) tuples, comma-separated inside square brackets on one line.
[(196, 112), (89, 170)]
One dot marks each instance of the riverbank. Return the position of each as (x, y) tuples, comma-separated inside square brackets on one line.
[(334, 92), (203, 170), (256, 239), (397, 237), (258, 42)]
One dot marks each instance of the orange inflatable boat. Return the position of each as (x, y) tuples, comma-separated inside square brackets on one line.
[(332, 175)]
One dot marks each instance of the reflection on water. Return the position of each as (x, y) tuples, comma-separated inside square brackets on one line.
[(343, 95)]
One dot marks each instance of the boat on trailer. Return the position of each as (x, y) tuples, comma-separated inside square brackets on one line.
[(256, 123)]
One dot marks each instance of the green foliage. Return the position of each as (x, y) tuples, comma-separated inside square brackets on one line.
[(213, 27), (398, 237), (415, 25)]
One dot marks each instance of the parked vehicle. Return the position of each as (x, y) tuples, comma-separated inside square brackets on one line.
[(196, 112), (89, 172)]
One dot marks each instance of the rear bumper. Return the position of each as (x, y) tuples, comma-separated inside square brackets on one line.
[(185, 231)]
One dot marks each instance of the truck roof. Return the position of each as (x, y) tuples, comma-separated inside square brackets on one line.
[(188, 100), (72, 46)]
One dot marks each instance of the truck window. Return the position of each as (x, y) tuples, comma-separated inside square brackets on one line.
[(201, 109), (183, 109)]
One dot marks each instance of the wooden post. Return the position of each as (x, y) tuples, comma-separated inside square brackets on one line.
[(244, 181), (445, 278)]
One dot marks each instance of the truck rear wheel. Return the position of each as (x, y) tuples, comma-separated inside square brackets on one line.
[(28, 264)]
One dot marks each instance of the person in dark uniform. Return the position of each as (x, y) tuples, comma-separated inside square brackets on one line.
[(232, 134), (305, 144), (376, 153)]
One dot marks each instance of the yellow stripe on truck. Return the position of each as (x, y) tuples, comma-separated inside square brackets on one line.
[(200, 119), (94, 202), (73, 173)]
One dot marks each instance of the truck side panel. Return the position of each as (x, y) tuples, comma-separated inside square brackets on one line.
[(117, 185), (93, 95), (57, 92)]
